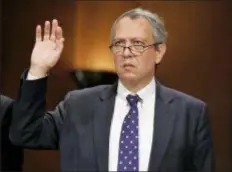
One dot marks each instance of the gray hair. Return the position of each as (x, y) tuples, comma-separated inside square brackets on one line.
[(158, 29)]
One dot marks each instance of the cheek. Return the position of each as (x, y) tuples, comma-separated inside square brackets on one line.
[(146, 62), (117, 60)]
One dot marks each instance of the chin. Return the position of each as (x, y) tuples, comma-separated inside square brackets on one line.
[(128, 77)]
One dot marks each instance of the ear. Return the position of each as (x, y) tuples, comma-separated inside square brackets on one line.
[(160, 51)]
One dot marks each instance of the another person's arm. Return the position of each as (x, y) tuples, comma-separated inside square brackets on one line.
[(8, 162)]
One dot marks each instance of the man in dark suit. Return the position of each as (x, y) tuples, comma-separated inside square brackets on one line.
[(137, 124), (11, 156)]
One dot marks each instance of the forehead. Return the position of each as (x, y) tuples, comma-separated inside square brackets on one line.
[(128, 28)]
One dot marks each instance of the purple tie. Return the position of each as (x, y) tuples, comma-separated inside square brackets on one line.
[(128, 156)]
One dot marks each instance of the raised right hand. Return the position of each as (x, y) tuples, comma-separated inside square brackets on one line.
[(47, 49)]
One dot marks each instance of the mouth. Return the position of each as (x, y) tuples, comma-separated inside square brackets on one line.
[(127, 65)]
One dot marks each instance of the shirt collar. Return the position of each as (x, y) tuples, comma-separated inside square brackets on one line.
[(144, 93)]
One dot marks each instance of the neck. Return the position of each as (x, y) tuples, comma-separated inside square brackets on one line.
[(134, 86)]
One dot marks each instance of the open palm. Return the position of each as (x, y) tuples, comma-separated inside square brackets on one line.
[(47, 48)]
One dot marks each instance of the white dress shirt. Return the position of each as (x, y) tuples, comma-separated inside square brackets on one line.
[(146, 110)]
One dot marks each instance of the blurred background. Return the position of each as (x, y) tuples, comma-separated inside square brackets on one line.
[(198, 60)]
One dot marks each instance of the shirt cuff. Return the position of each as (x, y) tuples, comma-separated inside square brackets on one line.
[(32, 77)]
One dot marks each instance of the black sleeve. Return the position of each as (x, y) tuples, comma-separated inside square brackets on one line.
[(32, 127), (8, 162), (204, 153)]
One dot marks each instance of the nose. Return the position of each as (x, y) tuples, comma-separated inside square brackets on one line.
[(127, 52)]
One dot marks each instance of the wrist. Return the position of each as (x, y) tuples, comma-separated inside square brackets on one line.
[(38, 71)]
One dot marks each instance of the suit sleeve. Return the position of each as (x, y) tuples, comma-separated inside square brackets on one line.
[(32, 127), (204, 154), (5, 105), (8, 162)]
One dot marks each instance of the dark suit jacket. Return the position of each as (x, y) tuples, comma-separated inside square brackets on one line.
[(80, 126), (11, 156)]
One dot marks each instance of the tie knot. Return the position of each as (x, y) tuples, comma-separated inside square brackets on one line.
[(132, 99)]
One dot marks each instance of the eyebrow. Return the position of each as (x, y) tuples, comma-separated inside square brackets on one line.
[(140, 39)]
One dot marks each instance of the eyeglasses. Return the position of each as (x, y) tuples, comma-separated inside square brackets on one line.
[(135, 49)]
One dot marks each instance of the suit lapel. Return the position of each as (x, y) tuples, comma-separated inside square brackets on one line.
[(102, 121), (163, 126)]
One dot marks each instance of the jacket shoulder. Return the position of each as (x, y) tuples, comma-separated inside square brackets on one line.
[(184, 97), (86, 94)]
